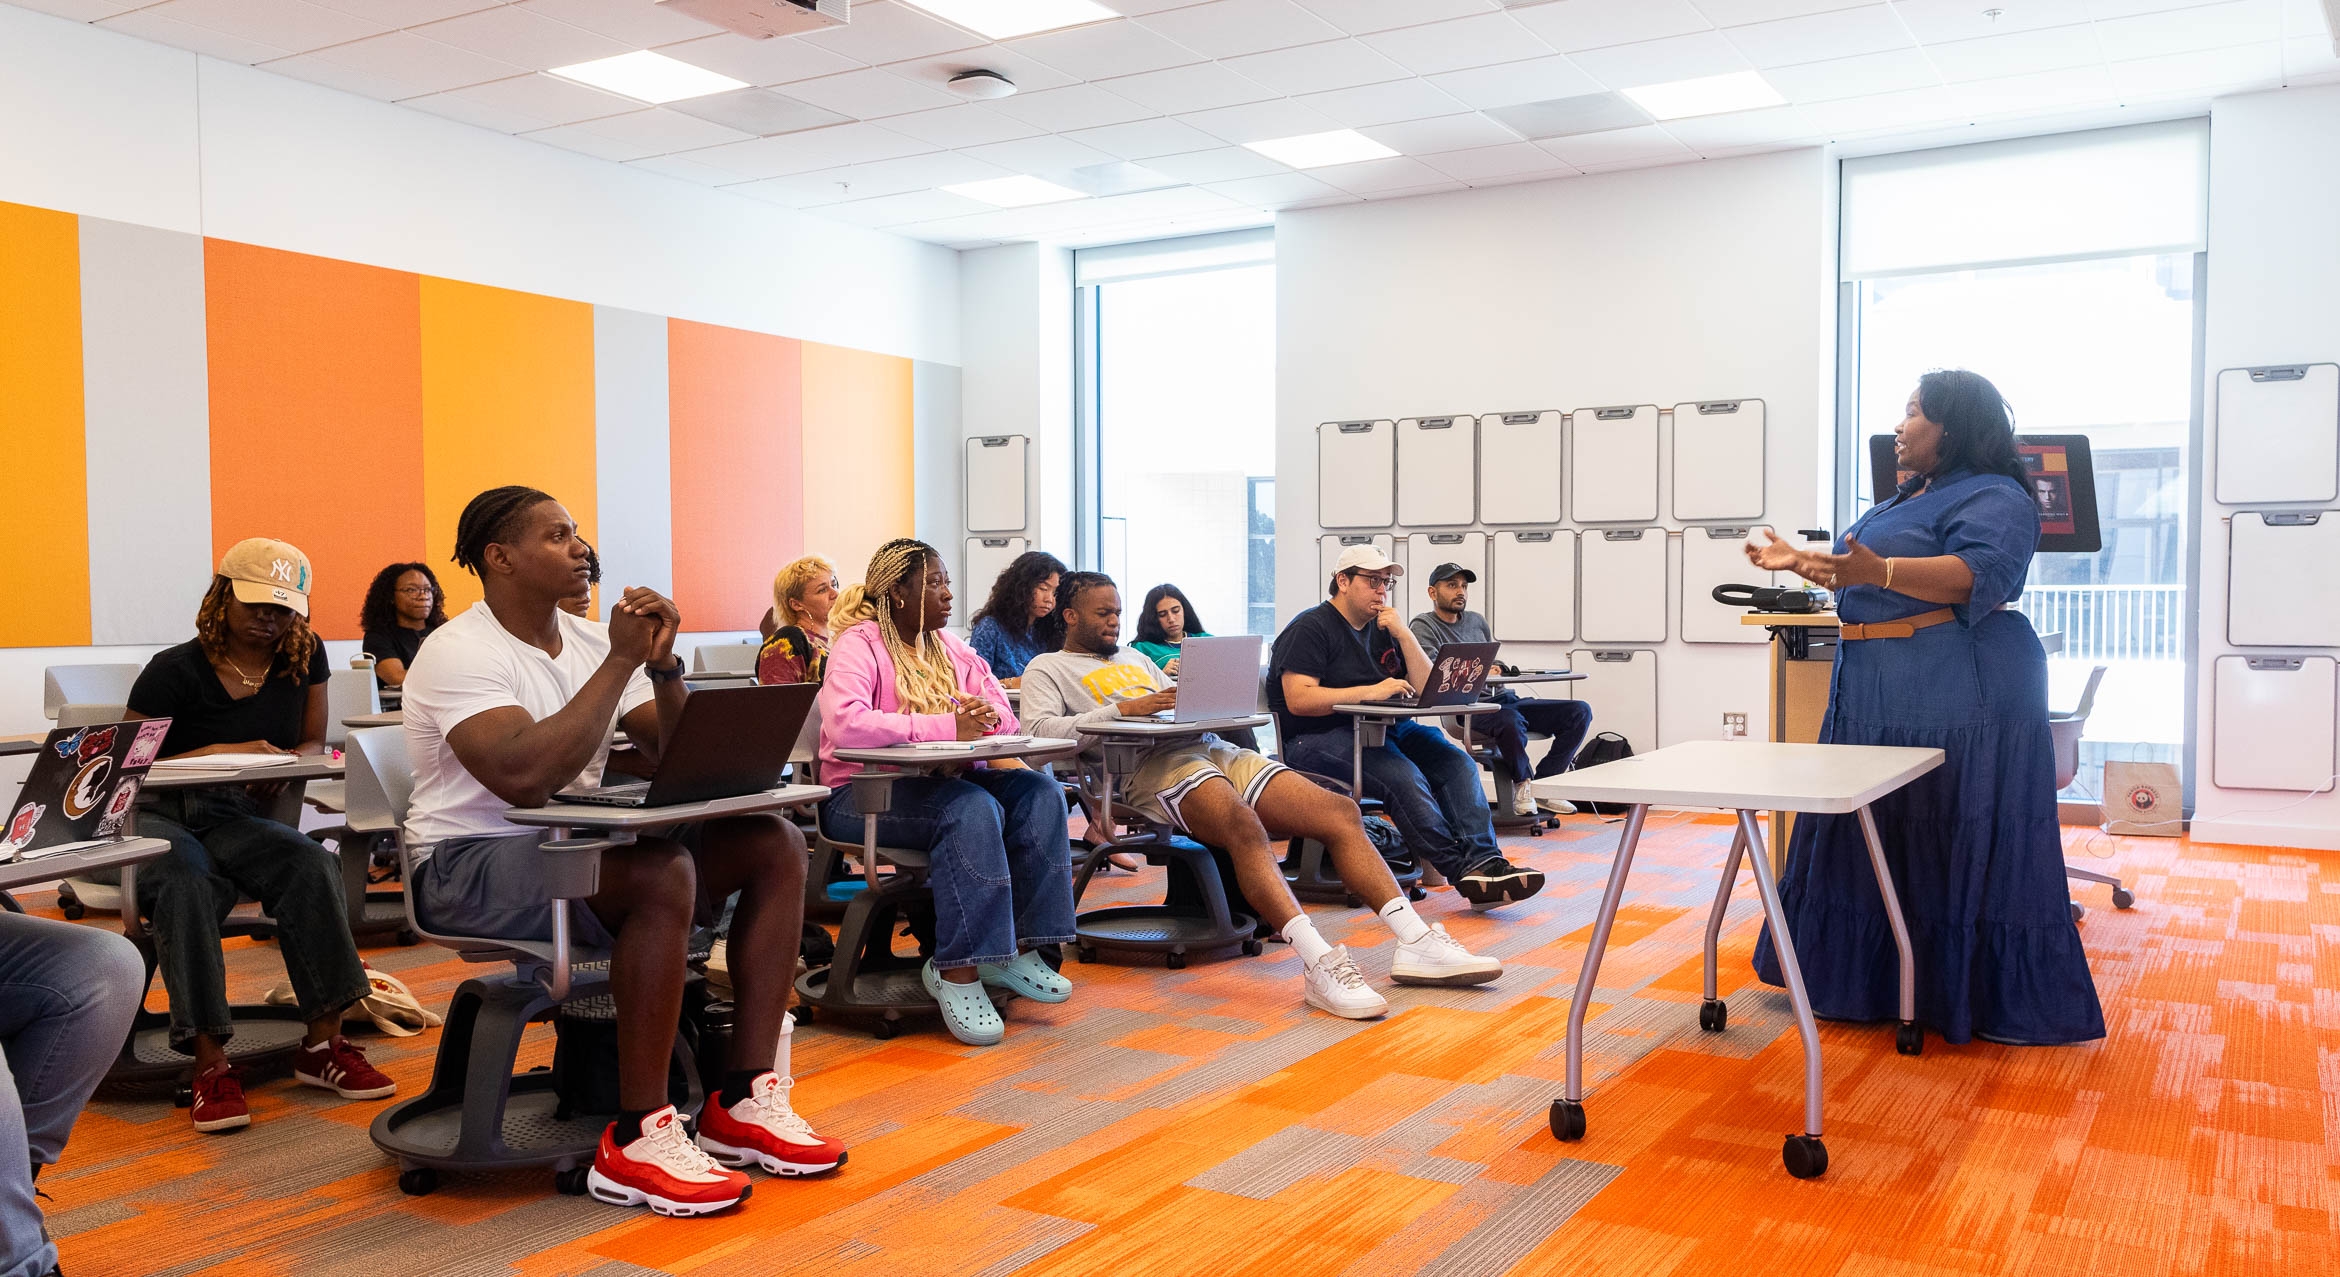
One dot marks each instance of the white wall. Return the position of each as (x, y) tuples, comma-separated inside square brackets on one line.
[(2274, 277), (1016, 343), (1706, 281)]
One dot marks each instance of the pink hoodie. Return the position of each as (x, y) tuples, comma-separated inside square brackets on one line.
[(860, 710)]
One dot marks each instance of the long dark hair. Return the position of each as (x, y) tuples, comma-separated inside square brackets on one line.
[(1010, 604), (1149, 629), (379, 613), (1978, 428)]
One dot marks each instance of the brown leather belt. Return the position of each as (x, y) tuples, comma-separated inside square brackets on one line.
[(1896, 629)]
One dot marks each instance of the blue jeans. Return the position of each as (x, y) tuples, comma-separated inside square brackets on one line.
[(1428, 786), (67, 995), (1002, 873), (1566, 722)]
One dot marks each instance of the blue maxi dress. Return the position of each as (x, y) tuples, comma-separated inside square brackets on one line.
[(1974, 846)]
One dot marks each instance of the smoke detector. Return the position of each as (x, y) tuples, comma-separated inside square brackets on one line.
[(981, 85)]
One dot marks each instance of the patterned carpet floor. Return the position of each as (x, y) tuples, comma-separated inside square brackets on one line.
[(1203, 1121)]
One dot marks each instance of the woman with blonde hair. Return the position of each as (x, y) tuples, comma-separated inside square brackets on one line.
[(797, 648), (1002, 865)]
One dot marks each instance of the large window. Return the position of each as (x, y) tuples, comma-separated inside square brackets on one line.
[(1179, 425)]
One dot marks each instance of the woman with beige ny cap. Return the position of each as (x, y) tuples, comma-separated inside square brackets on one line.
[(251, 681)]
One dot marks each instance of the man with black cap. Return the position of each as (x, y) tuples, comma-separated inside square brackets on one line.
[(1450, 620)]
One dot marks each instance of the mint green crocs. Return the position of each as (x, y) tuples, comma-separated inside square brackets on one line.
[(966, 1008), (1029, 976)]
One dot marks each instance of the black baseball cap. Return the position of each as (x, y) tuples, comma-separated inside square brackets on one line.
[(1445, 570)]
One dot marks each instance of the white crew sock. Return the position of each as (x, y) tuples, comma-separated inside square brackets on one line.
[(1399, 914), (780, 1056), (1300, 933)]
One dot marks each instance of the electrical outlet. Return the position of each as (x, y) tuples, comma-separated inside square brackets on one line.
[(1734, 725)]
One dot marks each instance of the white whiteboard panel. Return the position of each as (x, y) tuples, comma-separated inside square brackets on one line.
[(2271, 723), (1424, 551), (2279, 434), (1356, 468), (2283, 580), (1621, 687), (1623, 572), (1718, 460), (1437, 471), (1712, 557), (1539, 596), (987, 557), (1519, 467), (1328, 552), (1613, 464), (995, 483)]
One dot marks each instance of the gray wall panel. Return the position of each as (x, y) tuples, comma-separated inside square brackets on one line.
[(632, 462)]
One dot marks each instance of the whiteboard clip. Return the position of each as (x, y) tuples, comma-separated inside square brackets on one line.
[(1614, 414), (1622, 534), (1719, 407), (1435, 423), (1446, 538), (1355, 427), (2293, 373), (1725, 534), (1520, 418), (996, 543), (1537, 538), (1614, 658), (1366, 539), (995, 441), (2276, 664), (2295, 519)]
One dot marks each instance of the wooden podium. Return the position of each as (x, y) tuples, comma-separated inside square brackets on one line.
[(1803, 654)]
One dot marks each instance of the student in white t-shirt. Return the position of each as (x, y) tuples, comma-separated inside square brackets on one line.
[(513, 701)]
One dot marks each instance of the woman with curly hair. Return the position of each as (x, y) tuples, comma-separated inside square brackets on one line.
[(1002, 865), (1019, 621), (251, 681), (797, 649), (402, 607)]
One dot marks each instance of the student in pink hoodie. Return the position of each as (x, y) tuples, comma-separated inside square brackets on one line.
[(1002, 867)]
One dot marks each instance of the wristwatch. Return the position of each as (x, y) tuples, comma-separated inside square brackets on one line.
[(667, 674)]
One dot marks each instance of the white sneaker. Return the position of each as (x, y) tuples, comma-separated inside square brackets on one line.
[(1438, 958), (1557, 806), (1523, 803), (1337, 987)]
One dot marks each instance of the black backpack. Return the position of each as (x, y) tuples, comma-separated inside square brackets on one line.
[(1607, 747)]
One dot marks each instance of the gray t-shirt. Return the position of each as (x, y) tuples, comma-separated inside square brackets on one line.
[(1433, 633), (1063, 690)]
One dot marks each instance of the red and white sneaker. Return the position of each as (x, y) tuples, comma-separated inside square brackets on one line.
[(337, 1065), (219, 1101), (763, 1130), (662, 1170)]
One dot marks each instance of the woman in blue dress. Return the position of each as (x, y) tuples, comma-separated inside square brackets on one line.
[(1974, 846)]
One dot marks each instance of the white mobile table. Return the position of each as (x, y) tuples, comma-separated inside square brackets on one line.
[(1372, 728), (1745, 777), (387, 718), (1534, 676), (164, 778), (35, 867)]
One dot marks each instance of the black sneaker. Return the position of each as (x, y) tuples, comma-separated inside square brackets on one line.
[(1495, 881)]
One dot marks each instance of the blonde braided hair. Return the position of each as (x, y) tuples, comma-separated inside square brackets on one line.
[(924, 679)]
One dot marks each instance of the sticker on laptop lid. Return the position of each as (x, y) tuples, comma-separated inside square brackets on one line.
[(82, 793), (118, 806), (20, 829), (148, 743)]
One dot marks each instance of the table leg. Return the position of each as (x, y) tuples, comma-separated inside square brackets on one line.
[(1713, 1015), (1909, 1039), (1804, 1155), (1568, 1111)]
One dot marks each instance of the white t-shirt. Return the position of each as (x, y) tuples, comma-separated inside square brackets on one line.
[(472, 664)]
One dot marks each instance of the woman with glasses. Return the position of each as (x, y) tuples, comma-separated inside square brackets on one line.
[(403, 606)]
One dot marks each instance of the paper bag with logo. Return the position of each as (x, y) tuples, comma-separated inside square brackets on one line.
[(2143, 799)]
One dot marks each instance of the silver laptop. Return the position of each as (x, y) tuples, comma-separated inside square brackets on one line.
[(1218, 678)]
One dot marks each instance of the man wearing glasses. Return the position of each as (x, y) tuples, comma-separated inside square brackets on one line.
[(1354, 647)]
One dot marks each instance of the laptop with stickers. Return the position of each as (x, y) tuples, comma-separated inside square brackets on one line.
[(82, 786)]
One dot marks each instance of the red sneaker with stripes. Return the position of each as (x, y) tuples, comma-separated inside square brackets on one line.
[(662, 1170), (762, 1130), (338, 1066)]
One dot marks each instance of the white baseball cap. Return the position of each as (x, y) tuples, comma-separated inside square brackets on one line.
[(1366, 558)]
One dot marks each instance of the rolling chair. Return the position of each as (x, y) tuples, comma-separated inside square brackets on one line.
[(372, 914), (1195, 914), (2066, 729), (1308, 867), (1483, 752)]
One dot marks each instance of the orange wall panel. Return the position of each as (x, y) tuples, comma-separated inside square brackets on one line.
[(507, 395), (316, 416), (735, 419), (858, 432), (41, 418)]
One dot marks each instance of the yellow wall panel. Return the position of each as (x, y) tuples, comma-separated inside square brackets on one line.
[(858, 432), (46, 549), (507, 398)]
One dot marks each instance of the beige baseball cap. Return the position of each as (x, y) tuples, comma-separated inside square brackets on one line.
[(1367, 558), (266, 571)]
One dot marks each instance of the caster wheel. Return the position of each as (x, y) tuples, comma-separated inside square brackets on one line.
[(419, 1182), (1253, 948), (407, 937), (264, 935), (2078, 912), (74, 909), (183, 1096), (2123, 898), (1352, 901), (1714, 1015), (886, 1030), (1086, 953), (1567, 1121), (1415, 892), (1175, 961), (571, 1182), (1804, 1156), (1909, 1039)]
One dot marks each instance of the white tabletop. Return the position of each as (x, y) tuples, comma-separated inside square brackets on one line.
[(39, 867), (596, 816), (1163, 727), (1747, 776), (1042, 749), (1383, 709), (1535, 676), (387, 718), (720, 676), (309, 767)]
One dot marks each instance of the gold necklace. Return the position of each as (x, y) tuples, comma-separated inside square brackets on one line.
[(247, 679)]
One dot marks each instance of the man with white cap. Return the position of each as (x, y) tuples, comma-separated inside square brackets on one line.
[(1354, 647)]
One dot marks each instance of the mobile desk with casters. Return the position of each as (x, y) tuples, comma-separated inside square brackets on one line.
[(1194, 915), (1371, 730), (1746, 777), (868, 979), (1486, 755), (35, 867)]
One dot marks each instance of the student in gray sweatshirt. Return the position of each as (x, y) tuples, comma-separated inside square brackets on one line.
[(1450, 620)]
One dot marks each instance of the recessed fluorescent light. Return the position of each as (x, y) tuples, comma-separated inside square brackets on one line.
[(1315, 150), (649, 77), (1001, 19), (1015, 192), (1707, 95)]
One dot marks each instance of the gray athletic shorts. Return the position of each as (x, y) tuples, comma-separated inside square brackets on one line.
[(492, 887)]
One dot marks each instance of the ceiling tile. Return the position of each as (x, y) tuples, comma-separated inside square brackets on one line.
[(1993, 57), (1682, 57), (2209, 26), (1225, 164), (777, 61), (1710, 133), (1260, 121), (1596, 24), (629, 22), (1936, 20), (1079, 106), (284, 24), (1457, 43), (1389, 103), (1514, 179), (1145, 139), (868, 181), (1910, 108), (968, 124), (869, 94), (1567, 117), (146, 24), (407, 13), (571, 137), (542, 100), (682, 168), (479, 115), (791, 153), (1496, 161), (1854, 77), (886, 32), (1844, 34), (894, 210), (78, 10), (1140, 8), (514, 35), (1359, 17), (1316, 68), (1277, 191), (638, 134), (1231, 28), (1044, 154), (1202, 87), (1029, 75), (2309, 57), (1367, 176), (1446, 133), (2307, 17), (1535, 80), (1647, 143), (2104, 9), (403, 61), (1434, 188), (2039, 92), (2248, 66), (1103, 50), (1733, 13), (757, 112)]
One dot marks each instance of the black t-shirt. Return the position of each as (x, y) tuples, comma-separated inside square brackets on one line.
[(397, 643), (180, 684), (1322, 644)]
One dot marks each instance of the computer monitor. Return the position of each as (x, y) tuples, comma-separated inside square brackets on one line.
[(2063, 482)]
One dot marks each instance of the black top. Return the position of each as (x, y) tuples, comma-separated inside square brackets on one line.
[(397, 643), (1322, 644), (180, 683)]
